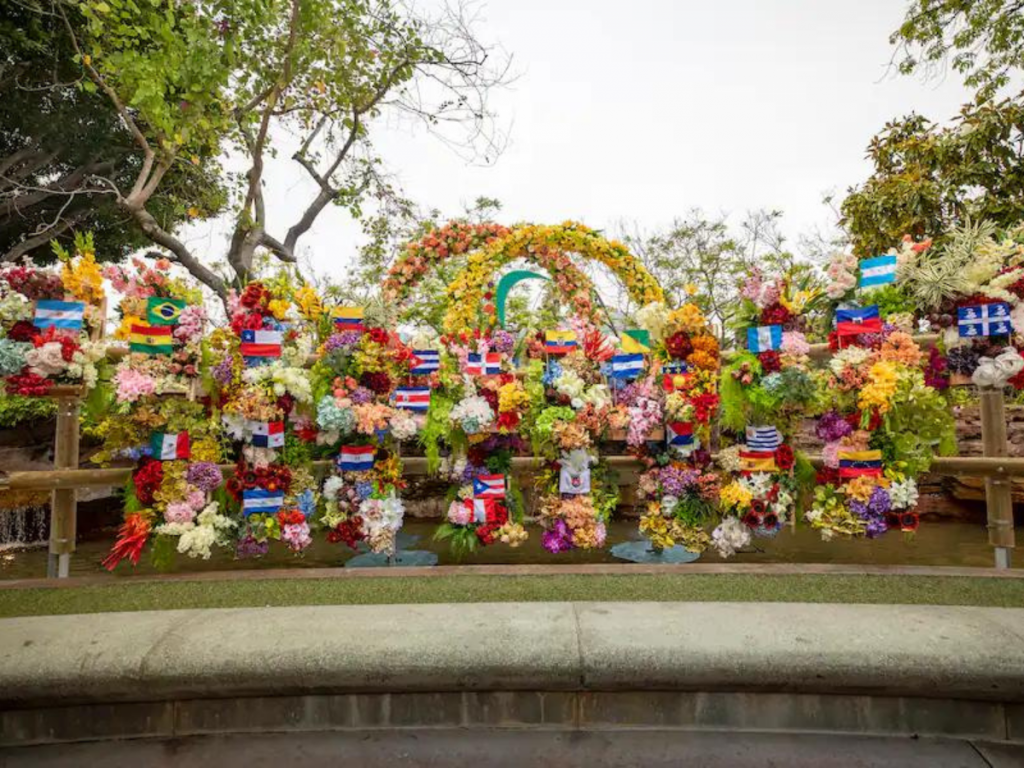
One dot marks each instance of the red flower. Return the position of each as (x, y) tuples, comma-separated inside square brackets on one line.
[(378, 383), (827, 476), (491, 397), (22, 331), (255, 295), (757, 506), (678, 345), (234, 488), (27, 384), (286, 402), (147, 480), (784, 457), (508, 420), (751, 520), (771, 520), (486, 534), (379, 335), (349, 532), (290, 517), (131, 538), (771, 362), (909, 521), (775, 314), (306, 432)]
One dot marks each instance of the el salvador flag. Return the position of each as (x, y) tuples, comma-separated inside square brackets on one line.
[(424, 362), (764, 338), (258, 501), (879, 270), (763, 438), (627, 366)]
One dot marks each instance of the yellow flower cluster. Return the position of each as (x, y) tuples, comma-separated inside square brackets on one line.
[(124, 330), (860, 488), (308, 302), (82, 278), (512, 397), (206, 449), (735, 495), (278, 308), (687, 318), (883, 378)]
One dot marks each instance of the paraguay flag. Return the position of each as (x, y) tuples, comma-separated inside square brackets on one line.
[(413, 398), (984, 320), (356, 458), (257, 501), (268, 434), (484, 365), (151, 340), (489, 487), (763, 438), (168, 446), (260, 344), (757, 461), (480, 508), (627, 366), (51, 313), (348, 318), (424, 362), (860, 464), (559, 342), (764, 338), (680, 434), (853, 322), (880, 270)]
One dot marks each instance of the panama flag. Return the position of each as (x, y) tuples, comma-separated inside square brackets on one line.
[(257, 501), (984, 320), (413, 399), (627, 366), (424, 362), (757, 461), (51, 313), (764, 338), (484, 365), (348, 318), (860, 464), (680, 434), (268, 434), (356, 458), (853, 322), (480, 508), (559, 342), (489, 487), (168, 446), (763, 438), (881, 270), (261, 343)]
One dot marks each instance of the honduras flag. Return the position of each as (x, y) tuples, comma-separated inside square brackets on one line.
[(858, 320), (51, 313), (763, 438), (413, 399), (627, 366), (879, 270), (764, 338), (356, 458), (489, 487), (984, 320), (424, 362), (680, 434), (258, 501)]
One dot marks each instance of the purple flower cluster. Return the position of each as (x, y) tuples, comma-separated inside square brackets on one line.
[(832, 427), (343, 340), (364, 489), (874, 513), (204, 475), (631, 394), (675, 481), (248, 546), (962, 360), (503, 342), (558, 538), (360, 395), (222, 372)]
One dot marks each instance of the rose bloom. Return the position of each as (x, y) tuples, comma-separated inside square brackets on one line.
[(47, 360)]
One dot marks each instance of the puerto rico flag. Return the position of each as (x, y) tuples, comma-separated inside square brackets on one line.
[(984, 320), (757, 461), (413, 399), (261, 343), (489, 487), (356, 458), (559, 342), (627, 366), (258, 501), (764, 338), (679, 434), (480, 508), (763, 438), (484, 365), (348, 318), (880, 270), (68, 315), (424, 362), (268, 434), (168, 446), (860, 464), (853, 322)]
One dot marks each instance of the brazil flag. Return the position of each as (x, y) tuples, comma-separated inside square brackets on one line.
[(160, 311)]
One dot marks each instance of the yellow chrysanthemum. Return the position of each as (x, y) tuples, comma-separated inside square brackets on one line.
[(735, 495), (308, 302), (883, 379)]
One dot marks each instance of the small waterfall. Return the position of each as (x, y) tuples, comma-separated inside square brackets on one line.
[(23, 527)]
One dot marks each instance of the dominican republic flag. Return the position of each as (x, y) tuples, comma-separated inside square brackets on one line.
[(880, 270), (763, 438), (860, 464), (168, 446), (679, 434), (484, 365), (413, 398), (268, 434), (348, 318), (489, 487), (261, 343), (424, 362), (627, 366), (757, 461), (764, 338), (984, 320), (51, 313), (480, 508), (559, 342), (258, 501), (853, 322), (356, 458)]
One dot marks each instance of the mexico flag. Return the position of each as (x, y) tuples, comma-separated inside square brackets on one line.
[(168, 446)]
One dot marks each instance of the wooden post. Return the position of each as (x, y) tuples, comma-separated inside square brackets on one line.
[(64, 504), (998, 498)]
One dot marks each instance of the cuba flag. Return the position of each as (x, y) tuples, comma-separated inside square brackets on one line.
[(880, 270), (356, 458), (764, 338), (424, 362), (858, 320), (257, 501), (627, 366), (679, 434), (489, 487), (763, 438), (415, 399), (68, 315), (984, 320)]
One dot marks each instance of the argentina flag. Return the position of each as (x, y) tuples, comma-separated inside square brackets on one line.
[(763, 438), (764, 338)]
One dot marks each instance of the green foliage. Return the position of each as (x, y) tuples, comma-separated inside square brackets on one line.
[(542, 433), (435, 429), (164, 552), (891, 299), (917, 426), (462, 539), (15, 410)]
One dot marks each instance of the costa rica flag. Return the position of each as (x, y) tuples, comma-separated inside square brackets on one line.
[(168, 446), (413, 398), (261, 344), (356, 458), (858, 320), (489, 487), (424, 362), (268, 434)]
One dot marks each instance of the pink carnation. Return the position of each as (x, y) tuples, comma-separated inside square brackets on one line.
[(131, 385), (179, 512), (196, 499), (190, 323), (795, 343), (830, 454), (458, 513)]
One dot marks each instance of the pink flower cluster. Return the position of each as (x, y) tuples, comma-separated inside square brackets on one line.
[(643, 417), (190, 323), (132, 384), (842, 272), (296, 536)]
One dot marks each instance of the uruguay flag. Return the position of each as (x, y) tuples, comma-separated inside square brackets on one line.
[(763, 438), (258, 501), (424, 362), (168, 446), (489, 487), (853, 322), (984, 320), (268, 434), (261, 343), (51, 313), (680, 434), (413, 399), (356, 458), (627, 366), (880, 270), (764, 338)]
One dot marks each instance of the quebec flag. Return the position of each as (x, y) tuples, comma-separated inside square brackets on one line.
[(764, 338), (984, 320)]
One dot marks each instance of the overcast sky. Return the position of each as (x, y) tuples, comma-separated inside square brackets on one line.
[(641, 110)]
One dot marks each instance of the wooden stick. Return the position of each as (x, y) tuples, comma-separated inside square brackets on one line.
[(998, 496), (64, 507)]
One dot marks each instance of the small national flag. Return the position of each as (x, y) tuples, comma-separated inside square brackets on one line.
[(489, 487), (763, 438), (879, 270), (424, 362), (635, 341), (168, 446), (268, 434), (164, 311), (676, 366), (484, 365), (559, 342), (860, 464), (51, 313), (757, 461), (680, 434), (984, 320), (151, 340), (764, 338), (853, 322), (413, 398), (348, 318), (261, 343), (627, 366), (356, 458), (672, 382), (257, 501), (480, 508)]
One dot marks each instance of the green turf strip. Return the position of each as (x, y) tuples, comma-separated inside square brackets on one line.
[(936, 590)]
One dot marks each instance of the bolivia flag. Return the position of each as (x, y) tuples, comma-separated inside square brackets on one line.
[(757, 461), (635, 341), (168, 446), (559, 342), (150, 340), (163, 311), (348, 318)]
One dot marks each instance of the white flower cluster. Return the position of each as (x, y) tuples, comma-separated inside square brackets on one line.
[(404, 424), (653, 318), (284, 380), (196, 539), (849, 357), (730, 537), (903, 494), (381, 520), (473, 414)]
